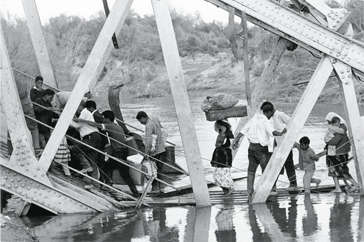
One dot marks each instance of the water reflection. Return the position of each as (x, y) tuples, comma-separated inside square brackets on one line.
[(225, 225), (339, 219), (309, 223), (319, 217)]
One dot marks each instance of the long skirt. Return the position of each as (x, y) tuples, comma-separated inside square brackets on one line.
[(338, 167), (222, 177)]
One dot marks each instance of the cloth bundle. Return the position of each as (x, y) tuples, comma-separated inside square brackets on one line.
[(218, 101)]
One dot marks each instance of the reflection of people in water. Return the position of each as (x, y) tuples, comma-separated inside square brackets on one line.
[(258, 235), (309, 223), (225, 228), (340, 221), (158, 229), (287, 225)]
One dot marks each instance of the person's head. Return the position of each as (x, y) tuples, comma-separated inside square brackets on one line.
[(335, 121), (268, 109), (304, 142), (223, 126), (266, 103), (90, 105), (142, 117), (48, 95), (109, 116), (38, 82)]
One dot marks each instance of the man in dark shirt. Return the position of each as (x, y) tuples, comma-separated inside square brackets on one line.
[(119, 150), (44, 113), (37, 91)]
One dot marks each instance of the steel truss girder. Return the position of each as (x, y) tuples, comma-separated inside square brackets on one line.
[(40, 193), (293, 24)]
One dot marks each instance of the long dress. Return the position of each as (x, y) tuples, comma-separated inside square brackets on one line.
[(222, 160), (337, 163)]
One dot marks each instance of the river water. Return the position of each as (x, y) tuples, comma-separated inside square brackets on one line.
[(321, 217)]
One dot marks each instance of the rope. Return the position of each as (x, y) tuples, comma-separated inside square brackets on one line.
[(112, 157), (122, 143)]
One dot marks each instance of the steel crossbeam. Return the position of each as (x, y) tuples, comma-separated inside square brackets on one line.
[(41, 194), (295, 25)]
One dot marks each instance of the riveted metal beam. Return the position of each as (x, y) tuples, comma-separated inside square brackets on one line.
[(293, 24), (42, 194)]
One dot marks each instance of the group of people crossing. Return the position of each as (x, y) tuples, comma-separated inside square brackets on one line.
[(267, 123), (98, 145)]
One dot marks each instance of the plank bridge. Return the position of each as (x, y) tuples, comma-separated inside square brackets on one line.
[(312, 26)]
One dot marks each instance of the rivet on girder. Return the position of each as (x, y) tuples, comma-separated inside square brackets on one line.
[(28, 187), (349, 76), (342, 77), (342, 71), (7, 171), (31, 182), (12, 180), (27, 169), (22, 185), (9, 185), (5, 177), (16, 186), (28, 162), (19, 179), (22, 164)]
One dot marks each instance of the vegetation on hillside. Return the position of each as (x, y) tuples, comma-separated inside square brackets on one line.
[(138, 63)]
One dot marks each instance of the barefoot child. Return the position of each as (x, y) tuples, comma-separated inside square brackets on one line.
[(307, 158)]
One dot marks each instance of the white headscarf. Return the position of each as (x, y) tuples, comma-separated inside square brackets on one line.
[(330, 115)]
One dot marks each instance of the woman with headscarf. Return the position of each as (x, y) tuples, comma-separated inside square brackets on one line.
[(222, 157), (337, 150)]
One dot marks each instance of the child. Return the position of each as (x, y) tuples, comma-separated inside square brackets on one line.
[(307, 158), (63, 155), (335, 127)]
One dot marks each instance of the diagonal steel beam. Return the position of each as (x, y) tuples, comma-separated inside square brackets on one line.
[(38, 40), (90, 72), (294, 127), (181, 101), (293, 24), (34, 191)]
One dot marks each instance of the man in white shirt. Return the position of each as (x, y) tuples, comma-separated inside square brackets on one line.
[(258, 131), (280, 121), (91, 137)]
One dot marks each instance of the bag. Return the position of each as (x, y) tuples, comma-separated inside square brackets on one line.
[(218, 101), (150, 167)]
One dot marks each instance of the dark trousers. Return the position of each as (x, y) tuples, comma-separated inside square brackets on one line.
[(122, 154), (257, 155), (289, 167), (156, 185), (85, 153)]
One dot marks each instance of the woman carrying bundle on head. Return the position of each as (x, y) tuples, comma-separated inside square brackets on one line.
[(222, 157)]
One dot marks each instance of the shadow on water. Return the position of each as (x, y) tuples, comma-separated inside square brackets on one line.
[(319, 217)]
